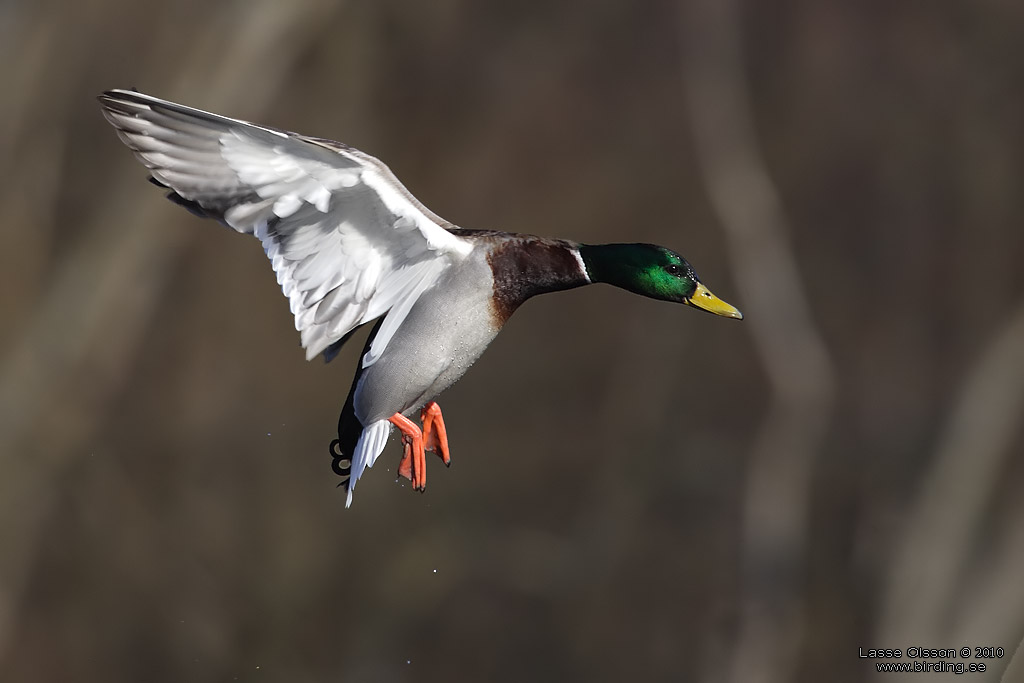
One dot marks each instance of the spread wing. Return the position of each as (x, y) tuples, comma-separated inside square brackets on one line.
[(348, 242)]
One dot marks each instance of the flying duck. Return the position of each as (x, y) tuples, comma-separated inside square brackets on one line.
[(351, 245)]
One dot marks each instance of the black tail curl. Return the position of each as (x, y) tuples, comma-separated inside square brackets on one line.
[(342, 448), (349, 426)]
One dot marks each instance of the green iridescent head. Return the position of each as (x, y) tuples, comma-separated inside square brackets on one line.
[(652, 271)]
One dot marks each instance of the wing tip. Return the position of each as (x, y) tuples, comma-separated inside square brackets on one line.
[(121, 96)]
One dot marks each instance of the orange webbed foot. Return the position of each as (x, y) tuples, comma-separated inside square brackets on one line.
[(412, 437), (435, 438), (405, 466)]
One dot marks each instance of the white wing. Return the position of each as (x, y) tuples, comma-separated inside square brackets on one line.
[(348, 242)]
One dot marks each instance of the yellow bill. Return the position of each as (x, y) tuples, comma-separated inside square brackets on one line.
[(704, 299)]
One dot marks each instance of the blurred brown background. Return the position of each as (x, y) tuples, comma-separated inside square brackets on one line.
[(639, 491)]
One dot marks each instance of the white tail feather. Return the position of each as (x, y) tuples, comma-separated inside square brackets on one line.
[(371, 443)]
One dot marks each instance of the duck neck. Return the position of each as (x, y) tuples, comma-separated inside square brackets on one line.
[(533, 266), (612, 264)]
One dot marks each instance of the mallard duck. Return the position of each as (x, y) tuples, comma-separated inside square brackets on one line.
[(351, 245)]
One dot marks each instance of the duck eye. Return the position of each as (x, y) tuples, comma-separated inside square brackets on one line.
[(672, 269)]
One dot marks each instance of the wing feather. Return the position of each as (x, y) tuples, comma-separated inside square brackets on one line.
[(347, 241)]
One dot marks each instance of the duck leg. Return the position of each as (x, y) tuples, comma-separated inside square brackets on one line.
[(414, 463), (435, 438)]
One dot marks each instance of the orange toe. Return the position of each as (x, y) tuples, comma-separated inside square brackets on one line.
[(435, 437), (413, 438)]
